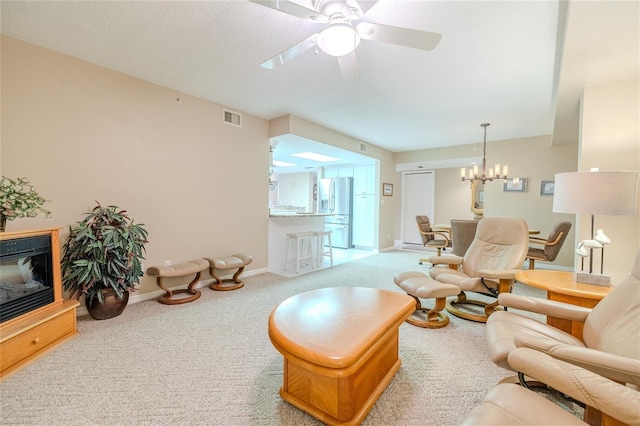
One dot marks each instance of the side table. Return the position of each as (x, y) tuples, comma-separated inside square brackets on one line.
[(562, 287)]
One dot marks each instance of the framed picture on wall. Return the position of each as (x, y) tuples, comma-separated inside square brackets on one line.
[(515, 185), (546, 187), (387, 189)]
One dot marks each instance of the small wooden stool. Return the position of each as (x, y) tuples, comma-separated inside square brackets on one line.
[(179, 270), (237, 261)]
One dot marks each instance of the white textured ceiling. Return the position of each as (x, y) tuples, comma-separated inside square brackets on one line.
[(497, 62)]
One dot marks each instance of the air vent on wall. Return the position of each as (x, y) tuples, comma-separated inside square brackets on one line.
[(363, 147), (232, 118)]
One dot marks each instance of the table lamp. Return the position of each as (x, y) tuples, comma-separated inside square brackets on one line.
[(609, 193)]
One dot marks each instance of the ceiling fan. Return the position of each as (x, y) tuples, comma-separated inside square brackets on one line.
[(343, 32)]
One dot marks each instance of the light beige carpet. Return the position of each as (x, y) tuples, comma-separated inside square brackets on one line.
[(210, 362)]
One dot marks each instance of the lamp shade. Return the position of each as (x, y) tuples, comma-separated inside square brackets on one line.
[(609, 193)]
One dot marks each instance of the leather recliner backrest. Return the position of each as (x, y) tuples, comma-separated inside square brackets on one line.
[(613, 326), (462, 234), (500, 243), (424, 225), (551, 251)]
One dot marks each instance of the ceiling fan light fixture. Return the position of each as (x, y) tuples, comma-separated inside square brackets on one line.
[(338, 39)]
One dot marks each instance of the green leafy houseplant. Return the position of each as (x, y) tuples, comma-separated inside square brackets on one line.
[(18, 198), (103, 252)]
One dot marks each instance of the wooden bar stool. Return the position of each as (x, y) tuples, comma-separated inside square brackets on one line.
[(322, 253), (302, 247)]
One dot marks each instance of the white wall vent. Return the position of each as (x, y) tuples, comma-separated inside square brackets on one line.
[(363, 147), (232, 118)]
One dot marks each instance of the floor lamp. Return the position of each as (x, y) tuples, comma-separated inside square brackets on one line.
[(609, 193)]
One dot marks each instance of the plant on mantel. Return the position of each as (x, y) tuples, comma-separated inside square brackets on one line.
[(18, 198)]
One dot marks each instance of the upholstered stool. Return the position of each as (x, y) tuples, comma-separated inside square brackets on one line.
[(302, 246), (322, 253), (179, 270), (420, 286), (237, 261)]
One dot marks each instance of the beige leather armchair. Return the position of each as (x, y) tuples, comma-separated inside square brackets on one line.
[(610, 345), (496, 253), (510, 404)]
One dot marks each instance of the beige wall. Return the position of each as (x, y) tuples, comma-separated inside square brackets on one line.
[(532, 158), (610, 140), (83, 133)]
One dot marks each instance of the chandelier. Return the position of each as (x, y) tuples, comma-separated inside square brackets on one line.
[(475, 175)]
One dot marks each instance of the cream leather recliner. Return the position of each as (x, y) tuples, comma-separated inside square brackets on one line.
[(611, 335), (496, 253), (511, 404)]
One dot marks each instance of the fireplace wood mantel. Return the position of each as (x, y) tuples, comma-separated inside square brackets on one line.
[(31, 335)]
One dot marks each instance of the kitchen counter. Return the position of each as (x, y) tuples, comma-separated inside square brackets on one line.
[(282, 223), (295, 214)]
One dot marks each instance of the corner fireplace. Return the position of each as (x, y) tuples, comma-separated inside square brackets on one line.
[(26, 275)]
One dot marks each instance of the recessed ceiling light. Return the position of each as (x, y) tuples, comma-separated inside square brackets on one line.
[(282, 164), (315, 157)]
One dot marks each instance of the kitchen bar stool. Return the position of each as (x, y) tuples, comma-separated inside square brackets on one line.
[(322, 253), (301, 244)]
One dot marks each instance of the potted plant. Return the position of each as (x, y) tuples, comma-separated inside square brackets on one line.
[(102, 260), (18, 198)]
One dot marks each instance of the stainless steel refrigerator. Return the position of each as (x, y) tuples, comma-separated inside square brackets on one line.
[(334, 196)]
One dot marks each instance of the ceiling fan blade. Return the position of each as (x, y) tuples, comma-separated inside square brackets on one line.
[(349, 66), (290, 53), (401, 36), (293, 9)]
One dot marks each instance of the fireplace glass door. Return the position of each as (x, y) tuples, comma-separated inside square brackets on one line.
[(26, 278)]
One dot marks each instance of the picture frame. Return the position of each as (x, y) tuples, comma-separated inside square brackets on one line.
[(515, 185), (387, 189), (547, 187)]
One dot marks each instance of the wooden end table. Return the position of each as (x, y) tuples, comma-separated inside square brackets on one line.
[(562, 287), (340, 348)]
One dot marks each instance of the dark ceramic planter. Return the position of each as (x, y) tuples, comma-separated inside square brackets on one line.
[(112, 306)]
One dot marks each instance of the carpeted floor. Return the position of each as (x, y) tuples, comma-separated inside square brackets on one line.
[(210, 362)]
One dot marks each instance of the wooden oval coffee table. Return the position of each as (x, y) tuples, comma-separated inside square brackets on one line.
[(340, 348)]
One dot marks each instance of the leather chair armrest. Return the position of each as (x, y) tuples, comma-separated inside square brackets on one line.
[(446, 260), (546, 307), (498, 274), (613, 399), (615, 367), (534, 240)]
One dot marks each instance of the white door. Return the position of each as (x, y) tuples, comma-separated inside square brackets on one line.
[(417, 199)]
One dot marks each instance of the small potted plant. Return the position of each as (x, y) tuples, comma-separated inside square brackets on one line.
[(18, 198), (102, 260)]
